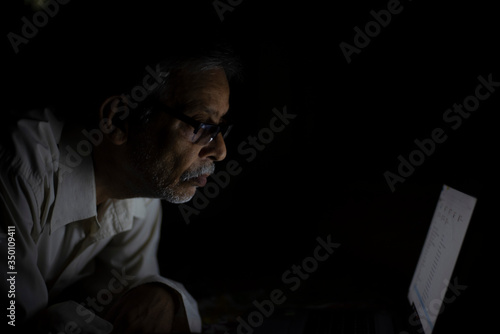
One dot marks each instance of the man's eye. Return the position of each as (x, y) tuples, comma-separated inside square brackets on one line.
[(198, 118), (207, 121), (201, 119)]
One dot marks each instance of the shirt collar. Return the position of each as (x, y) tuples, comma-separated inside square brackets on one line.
[(75, 198), (74, 185), (116, 216)]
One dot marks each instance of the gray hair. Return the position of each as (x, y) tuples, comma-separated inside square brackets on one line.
[(190, 59)]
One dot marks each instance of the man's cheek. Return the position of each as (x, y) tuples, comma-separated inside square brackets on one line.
[(184, 133)]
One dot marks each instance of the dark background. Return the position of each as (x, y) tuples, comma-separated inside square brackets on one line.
[(323, 174)]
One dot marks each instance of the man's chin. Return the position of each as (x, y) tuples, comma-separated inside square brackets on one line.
[(178, 200), (180, 197)]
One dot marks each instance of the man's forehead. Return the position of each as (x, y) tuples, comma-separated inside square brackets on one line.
[(212, 109), (207, 91), (201, 79)]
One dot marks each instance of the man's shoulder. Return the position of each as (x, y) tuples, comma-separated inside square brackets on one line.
[(28, 162), (30, 142)]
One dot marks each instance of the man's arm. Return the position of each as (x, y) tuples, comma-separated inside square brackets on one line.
[(140, 296), (147, 308), (27, 175), (25, 291)]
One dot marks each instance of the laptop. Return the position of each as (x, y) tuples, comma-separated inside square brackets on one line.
[(431, 287)]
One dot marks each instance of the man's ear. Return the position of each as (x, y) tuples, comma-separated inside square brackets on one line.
[(113, 119)]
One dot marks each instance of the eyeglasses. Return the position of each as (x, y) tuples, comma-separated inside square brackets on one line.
[(203, 133)]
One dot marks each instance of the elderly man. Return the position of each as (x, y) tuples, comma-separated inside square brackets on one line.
[(89, 215)]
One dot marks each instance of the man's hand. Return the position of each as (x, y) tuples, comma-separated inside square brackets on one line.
[(148, 308), (66, 317)]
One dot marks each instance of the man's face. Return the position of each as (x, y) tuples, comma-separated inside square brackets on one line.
[(165, 163)]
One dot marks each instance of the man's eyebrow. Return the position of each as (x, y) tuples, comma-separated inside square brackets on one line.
[(198, 106), (206, 109), (212, 111)]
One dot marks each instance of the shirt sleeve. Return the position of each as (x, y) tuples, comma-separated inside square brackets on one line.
[(22, 283), (27, 153), (130, 259)]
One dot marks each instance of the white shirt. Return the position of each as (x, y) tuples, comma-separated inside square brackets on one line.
[(48, 198)]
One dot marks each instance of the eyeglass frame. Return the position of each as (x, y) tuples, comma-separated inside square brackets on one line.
[(223, 128)]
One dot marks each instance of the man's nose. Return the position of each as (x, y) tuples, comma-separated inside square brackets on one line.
[(215, 150)]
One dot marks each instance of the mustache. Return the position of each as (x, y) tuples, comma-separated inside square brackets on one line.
[(205, 169)]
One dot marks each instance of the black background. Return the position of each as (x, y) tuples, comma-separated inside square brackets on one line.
[(324, 173)]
